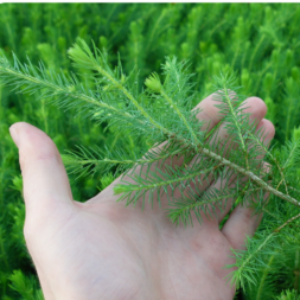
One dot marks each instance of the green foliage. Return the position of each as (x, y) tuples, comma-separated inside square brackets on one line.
[(288, 295), (25, 286), (154, 64)]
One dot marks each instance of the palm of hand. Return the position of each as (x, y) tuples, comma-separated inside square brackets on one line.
[(113, 252), (102, 250)]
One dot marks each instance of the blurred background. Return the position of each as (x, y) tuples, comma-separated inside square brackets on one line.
[(260, 42)]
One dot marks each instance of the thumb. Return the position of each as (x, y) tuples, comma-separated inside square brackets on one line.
[(45, 182)]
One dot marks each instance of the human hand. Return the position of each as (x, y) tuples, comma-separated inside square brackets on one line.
[(101, 250)]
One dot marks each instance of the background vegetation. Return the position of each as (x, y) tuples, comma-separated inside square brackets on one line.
[(259, 41)]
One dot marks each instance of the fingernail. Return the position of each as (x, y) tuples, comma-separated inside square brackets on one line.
[(14, 134)]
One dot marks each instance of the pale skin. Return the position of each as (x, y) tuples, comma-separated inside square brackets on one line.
[(101, 249)]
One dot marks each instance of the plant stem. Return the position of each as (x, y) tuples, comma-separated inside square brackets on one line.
[(171, 181), (252, 176), (255, 50), (142, 161), (286, 223), (237, 125), (63, 90), (131, 98), (153, 30), (265, 274), (275, 231), (181, 116), (211, 200)]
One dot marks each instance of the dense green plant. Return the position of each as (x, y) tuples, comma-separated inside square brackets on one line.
[(258, 41)]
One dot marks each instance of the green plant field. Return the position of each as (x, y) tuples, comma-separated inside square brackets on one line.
[(259, 42)]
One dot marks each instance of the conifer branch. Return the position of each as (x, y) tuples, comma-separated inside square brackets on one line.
[(286, 223), (184, 209), (11, 75), (118, 85), (261, 246), (85, 57), (261, 144), (176, 180), (251, 175), (90, 157), (263, 279), (235, 120), (5, 70), (291, 153), (181, 116)]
